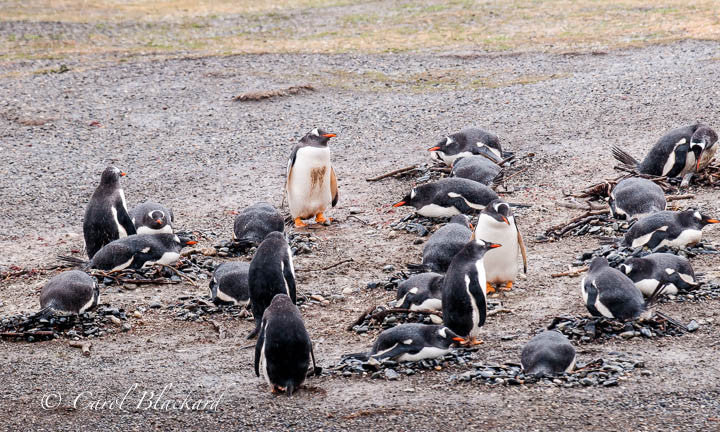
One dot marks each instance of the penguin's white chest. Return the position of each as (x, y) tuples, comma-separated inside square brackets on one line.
[(501, 264), (309, 184)]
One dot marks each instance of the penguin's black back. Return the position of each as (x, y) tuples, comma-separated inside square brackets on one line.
[(430, 280), (445, 243), (69, 292), (676, 223), (140, 247), (548, 353), (476, 168), (455, 192), (231, 279), (636, 196), (256, 222), (656, 158)]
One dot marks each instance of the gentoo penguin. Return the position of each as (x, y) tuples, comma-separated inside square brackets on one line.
[(139, 251), (549, 353), (677, 153), (106, 217), (467, 142), (445, 243), (672, 271), (448, 197), (71, 292), (257, 221), (152, 218), (636, 197), (411, 342), (497, 224), (311, 183), (608, 292), (668, 228), (271, 272), (464, 305), (229, 283), (283, 349), (421, 292), (476, 168)]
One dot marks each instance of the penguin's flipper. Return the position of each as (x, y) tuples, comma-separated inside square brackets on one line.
[(362, 356), (259, 347), (316, 370), (289, 277), (396, 351), (523, 251), (124, 218), (333, 186)]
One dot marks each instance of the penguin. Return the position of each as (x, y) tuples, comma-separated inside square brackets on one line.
[(106, 217), (636, 197), (445, 243), (283, 349), (707, 140), (411, 342), (672, 271), (497, 224), (467, 142), (677, 153), (311, 184), (667, 228), (421, 292), (137, 251), (257, 221), (229, 284), (152, 218), (608, 292), (476, 168), (271, 272), (549, 353), (448, 197), (464, 304), (70, 292)]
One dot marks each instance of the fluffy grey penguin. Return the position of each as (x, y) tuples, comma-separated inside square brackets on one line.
[(283, 349), (497, 224), (152, 218), (467, 142), (677, 153), (548, 353), (464, 304), (636, 197), (311, 184), (271, 272), (229, 283), (672, 271), (256, 222), (411, 342), (608, 292), (476, 168), (446, 242), (448, 197), (421, 292), (70, 292), (106, 217), (668, 228)]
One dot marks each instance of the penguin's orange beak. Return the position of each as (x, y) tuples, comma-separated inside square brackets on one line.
[(713, 221), (191, 242), (506, 220), (458, 339), (123, 174), (471, 227), (329, 135), (494, 245), (158, 221), (399, 204), (436, 148)]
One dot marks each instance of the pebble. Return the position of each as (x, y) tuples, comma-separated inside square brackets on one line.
[(137, 314), (388, 268), (317, 297), (209, 251), (115, 320), (692, 326), (391, 375), (126, 327)]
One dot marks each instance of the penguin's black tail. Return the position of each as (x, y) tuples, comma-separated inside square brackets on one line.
[(74, 261), (363, 356), (419, 268), (44, 313), (624, 157)]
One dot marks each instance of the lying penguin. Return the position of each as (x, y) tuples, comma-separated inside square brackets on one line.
[(152, 218), (468, 142), (667, 228), (636, 197), (411, 342), (445, 243), (420, 292), (672, 271), (448, 197), (254, 223), (229, 283), (608, 292), (70, 292), (549, 353), (476, 168)]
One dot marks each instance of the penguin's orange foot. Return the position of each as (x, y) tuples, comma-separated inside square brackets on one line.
[(474, 341), (321, 219), (508, 286), (299, 223), (490, 288)]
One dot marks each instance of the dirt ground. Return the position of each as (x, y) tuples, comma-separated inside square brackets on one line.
[(173, 126)]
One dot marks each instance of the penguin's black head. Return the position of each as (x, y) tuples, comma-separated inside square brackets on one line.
[(702, 140), (408, 200), (498, 210), (450, 145), (448, 337), (478, 247), (157, 219), (317, 137), (461, 219), (632, 266), (184, 241), (598, 263), (111, 176)]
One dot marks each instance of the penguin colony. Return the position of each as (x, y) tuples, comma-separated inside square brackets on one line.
[(463, 263)]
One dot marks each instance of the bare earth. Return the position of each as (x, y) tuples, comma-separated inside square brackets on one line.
[(172, 125)]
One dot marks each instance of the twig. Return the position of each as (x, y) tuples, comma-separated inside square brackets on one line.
[(385, 312), (498, 311), (392, 173), (571, 273), (562, 229), (179, 273), (359, 218), (84, 345), (679, 197), (445, 170), (505, 179), (328, 267), (260, 95), (361, 318), (218, 328)]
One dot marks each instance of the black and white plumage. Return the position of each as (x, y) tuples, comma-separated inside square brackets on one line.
[(636, 197), (283, 350), (671, 271), (448, 197), (668, 228), (106, 217), (467, 142), (138, 251), (254, 223), (229, 283), (411, 342), (420, 292), (445, 243), (476, 168), (608, 292), (70, 292), (152, 218), (549, 353), (271, 272)]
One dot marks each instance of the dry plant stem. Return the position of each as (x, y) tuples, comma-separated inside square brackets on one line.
[(392, 173)]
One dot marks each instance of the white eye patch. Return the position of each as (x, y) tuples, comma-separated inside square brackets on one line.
[(315, 132)]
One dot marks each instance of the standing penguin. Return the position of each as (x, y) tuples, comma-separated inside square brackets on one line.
[(445, 243), (106, 217), (448, 197), (668, 228), (464, 305), (549, 353), (283, 349), (152, 218), (497, 224), (636, 197), (411, 342), (70, 292), (672, 271), (608, 292), (467, 142), (229, 283), (311, 183), (476, 168), (271, 272), (257, 221)]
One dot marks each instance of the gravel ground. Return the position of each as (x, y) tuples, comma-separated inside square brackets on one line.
[(172, 125)]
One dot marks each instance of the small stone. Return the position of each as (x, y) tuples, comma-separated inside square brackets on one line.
[(388, 268), (692, 326), (155, 305), (436, 319), (587, 382), (126, 327), (355, 210), (391, 375), (646, 332), (467, 376), (610, 383), (317, 297), (137, 314), (115, 320), (209, 251), (347, 291), (627, 334)]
